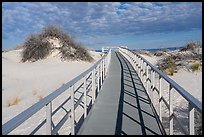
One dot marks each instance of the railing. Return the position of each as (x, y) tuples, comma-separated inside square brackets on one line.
[(147, 72), (97, 73)]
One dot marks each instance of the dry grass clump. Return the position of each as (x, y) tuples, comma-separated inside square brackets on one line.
[(161, 52), (40, 97), (195, 66), (170, 71), (143, 52), (40, 46), (171, 63), (186, 58), (191, 46), (13, 101), (35, 93), (168, 65)]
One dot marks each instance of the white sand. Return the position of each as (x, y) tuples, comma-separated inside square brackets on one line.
[(30, 80)]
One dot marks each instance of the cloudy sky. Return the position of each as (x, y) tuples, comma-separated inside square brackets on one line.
[(134, 24)]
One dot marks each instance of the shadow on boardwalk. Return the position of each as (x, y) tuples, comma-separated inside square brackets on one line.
[(122, 109), (136, 114)]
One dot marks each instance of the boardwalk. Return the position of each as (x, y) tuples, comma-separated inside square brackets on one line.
[(122, 106)]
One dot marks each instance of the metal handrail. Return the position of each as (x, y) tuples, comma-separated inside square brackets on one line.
[(23, 116), (193, 102)]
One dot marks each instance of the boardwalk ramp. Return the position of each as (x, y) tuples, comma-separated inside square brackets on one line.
[(123, 106)]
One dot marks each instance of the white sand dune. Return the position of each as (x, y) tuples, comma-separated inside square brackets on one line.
[(29, 80)]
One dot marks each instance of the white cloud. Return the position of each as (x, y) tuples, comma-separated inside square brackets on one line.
[(96, 18)]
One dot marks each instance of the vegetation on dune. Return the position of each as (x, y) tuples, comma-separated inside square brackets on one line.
[(35, 48), (189, 57), (161, 52), (191, 46), (13, 101), (168, 65), (195, 66), (39, 46), (144, 52)]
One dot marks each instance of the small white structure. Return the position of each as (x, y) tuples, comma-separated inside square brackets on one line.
[(107, 48)]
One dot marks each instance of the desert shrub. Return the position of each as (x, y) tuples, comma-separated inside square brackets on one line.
[(35, 48), (52, 31), (75, 53), (83, 53), (40, 97), (170, 71), (67, 52), (195, 66), (160, 52), (39, 47), (191, 46), (13, 101), (167, 65)]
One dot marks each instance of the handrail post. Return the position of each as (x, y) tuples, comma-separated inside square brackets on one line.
[(93, 86), (141, 65), (170, 110), (135, 67), (137, 63), (191, 119), (72, 111), (101, 64), (141, 71), (104, 68), (151, 87), (85, 99), (160, 98), (147, 80), (98, 73), (153, 80), (49, 118), (140, 68), (144, 74)]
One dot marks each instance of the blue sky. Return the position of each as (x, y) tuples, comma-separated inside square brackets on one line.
[(96, 24)]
